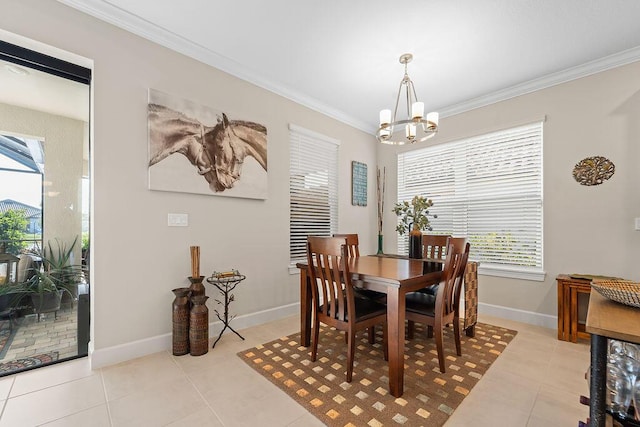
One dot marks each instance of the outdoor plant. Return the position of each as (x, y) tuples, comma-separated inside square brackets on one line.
[(414, 215), (57, 272)]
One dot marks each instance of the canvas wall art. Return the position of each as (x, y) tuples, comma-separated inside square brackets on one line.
[(198, 149)]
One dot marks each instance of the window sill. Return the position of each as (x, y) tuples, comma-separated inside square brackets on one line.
[(293, 269), (513, 273)]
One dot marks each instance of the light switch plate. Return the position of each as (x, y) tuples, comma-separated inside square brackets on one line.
[(637, 223), (177, 220)]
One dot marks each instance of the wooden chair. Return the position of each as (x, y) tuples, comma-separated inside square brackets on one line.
[(352, 243), (442, 309), (333, 296), (434, 245)]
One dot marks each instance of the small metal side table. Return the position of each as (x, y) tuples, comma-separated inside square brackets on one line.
[(225, 282)]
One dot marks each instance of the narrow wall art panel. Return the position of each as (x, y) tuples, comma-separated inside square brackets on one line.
[(358, 183), (198, 149)]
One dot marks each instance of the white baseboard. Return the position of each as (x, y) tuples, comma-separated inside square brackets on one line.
[(538, 319), (123, 352)]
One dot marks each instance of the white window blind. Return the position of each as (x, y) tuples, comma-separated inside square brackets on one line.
[(487, 188), (313, 188)]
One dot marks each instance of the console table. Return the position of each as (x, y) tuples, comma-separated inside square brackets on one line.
[(569, 329)]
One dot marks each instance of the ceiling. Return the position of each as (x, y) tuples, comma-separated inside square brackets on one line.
[(341, 57)]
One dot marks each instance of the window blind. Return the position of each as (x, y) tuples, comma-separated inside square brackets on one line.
[(487, 188), (313, 188)]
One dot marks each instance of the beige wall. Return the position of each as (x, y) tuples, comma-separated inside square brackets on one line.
[(137, 259), (586, 229)]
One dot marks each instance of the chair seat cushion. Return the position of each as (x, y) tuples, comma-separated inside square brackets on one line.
[(421, 303), (365, 309), (431, 289), (370, 294)]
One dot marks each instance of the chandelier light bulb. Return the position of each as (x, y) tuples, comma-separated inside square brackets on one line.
[(385, 117), (417, 110)]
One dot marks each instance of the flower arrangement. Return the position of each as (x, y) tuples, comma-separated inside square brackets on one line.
[(414, 215)]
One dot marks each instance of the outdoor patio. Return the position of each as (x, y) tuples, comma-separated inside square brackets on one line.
[(33, 342)]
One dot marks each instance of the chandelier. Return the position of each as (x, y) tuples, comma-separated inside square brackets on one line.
[(415, 127)]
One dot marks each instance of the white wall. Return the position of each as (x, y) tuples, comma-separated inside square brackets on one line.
[(587, 230), (137, 259)]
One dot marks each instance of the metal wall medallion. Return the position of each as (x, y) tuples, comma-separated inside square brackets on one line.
[(593, 170)]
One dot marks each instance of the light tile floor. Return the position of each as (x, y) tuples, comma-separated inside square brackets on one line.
[(537, 381)]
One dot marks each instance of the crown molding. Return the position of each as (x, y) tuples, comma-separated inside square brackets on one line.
[(593, 67), (134, 24)]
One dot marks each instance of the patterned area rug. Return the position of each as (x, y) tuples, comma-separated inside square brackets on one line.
[(28, 362), (429, 398), (6, 337)]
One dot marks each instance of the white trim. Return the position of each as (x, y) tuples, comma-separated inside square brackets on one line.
[(136, 25), (312, 134), (511, 273), (530, 317), (131, 350), (599, 65)]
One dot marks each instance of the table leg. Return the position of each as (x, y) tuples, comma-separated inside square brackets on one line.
[(305, 309), (573, 314), (560, 311), (566, 313), (395, 328), (598, 381)]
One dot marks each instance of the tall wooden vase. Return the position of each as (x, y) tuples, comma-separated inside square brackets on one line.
[(197, 288), (415, 243), (181, 321), (199, 326)]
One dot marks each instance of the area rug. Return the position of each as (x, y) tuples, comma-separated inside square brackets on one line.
[(429, 398), (6, 337), (28, 362)]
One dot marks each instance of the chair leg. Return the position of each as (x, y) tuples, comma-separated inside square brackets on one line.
[(372, 334), (411, 328), (456, 336), (429, 331), (351, 349), (385, 342), (314, 340), (440, 348)]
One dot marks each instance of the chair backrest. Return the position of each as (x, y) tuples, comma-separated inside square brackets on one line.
[(434, 246), (448, 297), (352, 243), (458, 243), (329, 272)]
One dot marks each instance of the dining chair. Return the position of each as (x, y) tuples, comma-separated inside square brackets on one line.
[(352, 243), (333, 296), (434, 245), (353, 247), (442, 309)]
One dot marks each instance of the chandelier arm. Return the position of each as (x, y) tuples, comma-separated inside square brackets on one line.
[(395, 112)]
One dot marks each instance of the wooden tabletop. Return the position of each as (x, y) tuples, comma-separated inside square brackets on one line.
[(614, 320)]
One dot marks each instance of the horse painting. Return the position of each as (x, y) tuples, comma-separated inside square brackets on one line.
[(218, 152)]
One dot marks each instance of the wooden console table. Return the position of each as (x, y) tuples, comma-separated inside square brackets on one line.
[(569, 329)]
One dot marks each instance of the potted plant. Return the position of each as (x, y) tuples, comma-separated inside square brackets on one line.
[(414, 218), (56, 276)]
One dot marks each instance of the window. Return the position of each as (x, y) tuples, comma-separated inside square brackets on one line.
[(313, 188), (489, 189)]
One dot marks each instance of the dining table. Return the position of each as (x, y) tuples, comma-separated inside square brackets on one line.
[(394, 276)]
